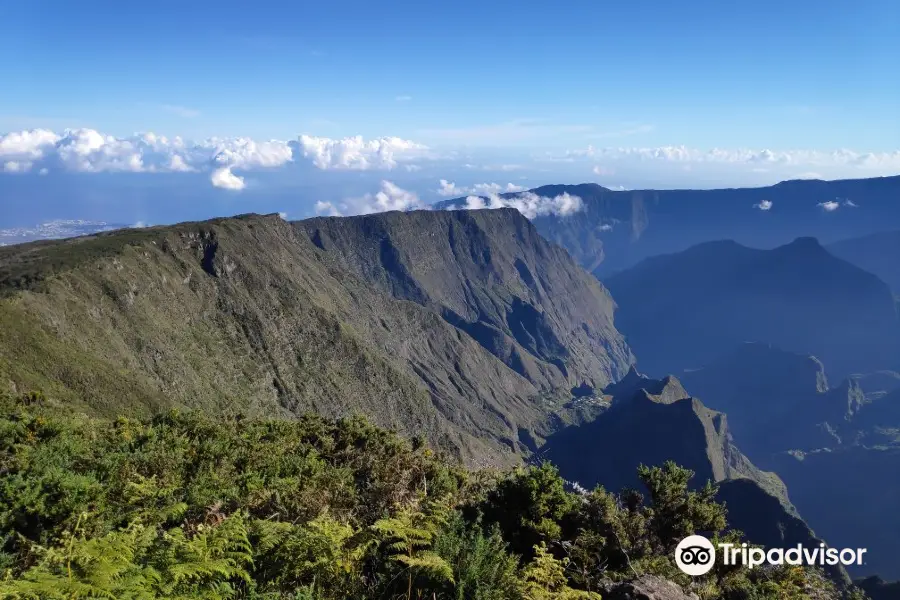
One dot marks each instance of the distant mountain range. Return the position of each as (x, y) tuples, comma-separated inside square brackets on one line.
[(681, 311), (617, 229), (878, 253)]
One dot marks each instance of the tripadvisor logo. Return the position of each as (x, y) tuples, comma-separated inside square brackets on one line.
[(696, 555)]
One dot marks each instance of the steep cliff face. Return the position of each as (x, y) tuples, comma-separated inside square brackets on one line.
[(491, 275), (256, 315), (669, 424)]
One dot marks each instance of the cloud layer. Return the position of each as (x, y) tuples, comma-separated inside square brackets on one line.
[(89, 151), (357, 154), (528, 203), (393, 197), (227, 161), (683, 154), (448, 189), (390, 197)]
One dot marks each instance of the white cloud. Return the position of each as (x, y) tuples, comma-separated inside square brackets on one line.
[(225, 179), (829, 206), (850, 203), (528, 203), (403, 98), (496, 188), (27, 144), (390, 197), (90, 151), (178, 165), (754, 158), (59, 228), (355, 153), (14, 166), (764, 205), (448, 189), (327, 208), (246, 153), (283, 215)]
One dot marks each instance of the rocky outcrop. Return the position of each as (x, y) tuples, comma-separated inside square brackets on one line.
[(645, 587)]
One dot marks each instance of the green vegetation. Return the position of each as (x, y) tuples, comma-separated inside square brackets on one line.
[(26, 267), (188, 506)]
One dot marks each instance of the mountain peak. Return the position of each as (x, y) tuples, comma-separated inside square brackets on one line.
[(804, 248), (739, 294), (806, 242)]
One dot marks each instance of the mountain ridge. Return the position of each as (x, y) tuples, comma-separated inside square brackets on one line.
[(248, 314), (730, 293), (618, 228)]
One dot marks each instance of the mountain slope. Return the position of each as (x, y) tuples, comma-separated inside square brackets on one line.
[(250, 315), (654, 421), (767, 522), (683, 310), (850, 495), (878, 253), (669, 424), (491, 275), (776, 400), (842, 441)]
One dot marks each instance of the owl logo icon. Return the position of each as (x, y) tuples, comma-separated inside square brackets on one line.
[(695, 555)]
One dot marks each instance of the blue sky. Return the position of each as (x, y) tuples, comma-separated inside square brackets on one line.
[(503, 81)]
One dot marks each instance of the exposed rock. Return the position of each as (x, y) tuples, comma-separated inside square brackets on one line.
[(779, 401), (490, 274), (645, 587)]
